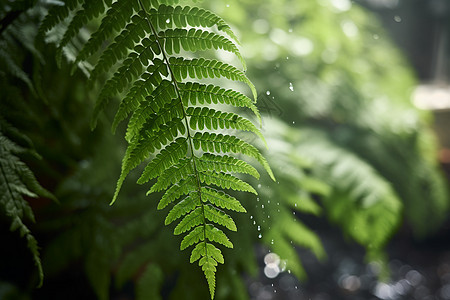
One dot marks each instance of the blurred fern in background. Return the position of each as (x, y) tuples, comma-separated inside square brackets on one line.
[(344, 142)]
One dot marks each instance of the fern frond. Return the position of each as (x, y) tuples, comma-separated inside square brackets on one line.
[(161, 100), (16, 182)]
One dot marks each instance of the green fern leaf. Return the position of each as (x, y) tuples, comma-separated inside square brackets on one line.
[(184, 206), (173, 175), (221, 199), (195, 92), (57, 14), (90, 10), (160, 103), (197, 40), (168, 16), (217, 216), (201, 117), (168, 157), (151, 79), (141, 147), (206, 68), (196, 235), (117, 16), (211, 142), (226, 181), (195, 218), (17, 181), (224, 163), (214, 234), (177, 190)]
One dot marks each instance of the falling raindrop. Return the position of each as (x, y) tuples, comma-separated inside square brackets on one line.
[(290, 30), (259, 186), (260, 236), (295, 204), (268, 93), (262, 205), (287, 57), (259, 228), (271, 242), (291, 87), (251, 217), (268, 201), (254, 222), (168, 21), (376, 36), (293, 122), (228, 5), (397, 19)]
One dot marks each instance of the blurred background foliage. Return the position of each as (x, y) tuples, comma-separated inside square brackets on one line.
[(355, 161)]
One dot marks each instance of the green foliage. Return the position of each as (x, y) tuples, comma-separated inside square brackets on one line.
[(164, 119)]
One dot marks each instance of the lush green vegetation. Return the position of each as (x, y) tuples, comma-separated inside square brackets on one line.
[(343, 140)]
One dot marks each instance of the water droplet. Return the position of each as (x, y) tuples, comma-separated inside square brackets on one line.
[(296, 287), (251, 217), (397, 19), (291, 87), (259, 186), (259, 228), (268, 201), (260, 236), (268, 217), (295, 204), (254, 222), (289, 271), (168, 21), (267, 93), (278, 210), (257, 199), (376, 36), (272, 244), (228, 5), (293, 122), (272, 283), (287, 57), (262, 205), (275, 291), (290, 30)]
